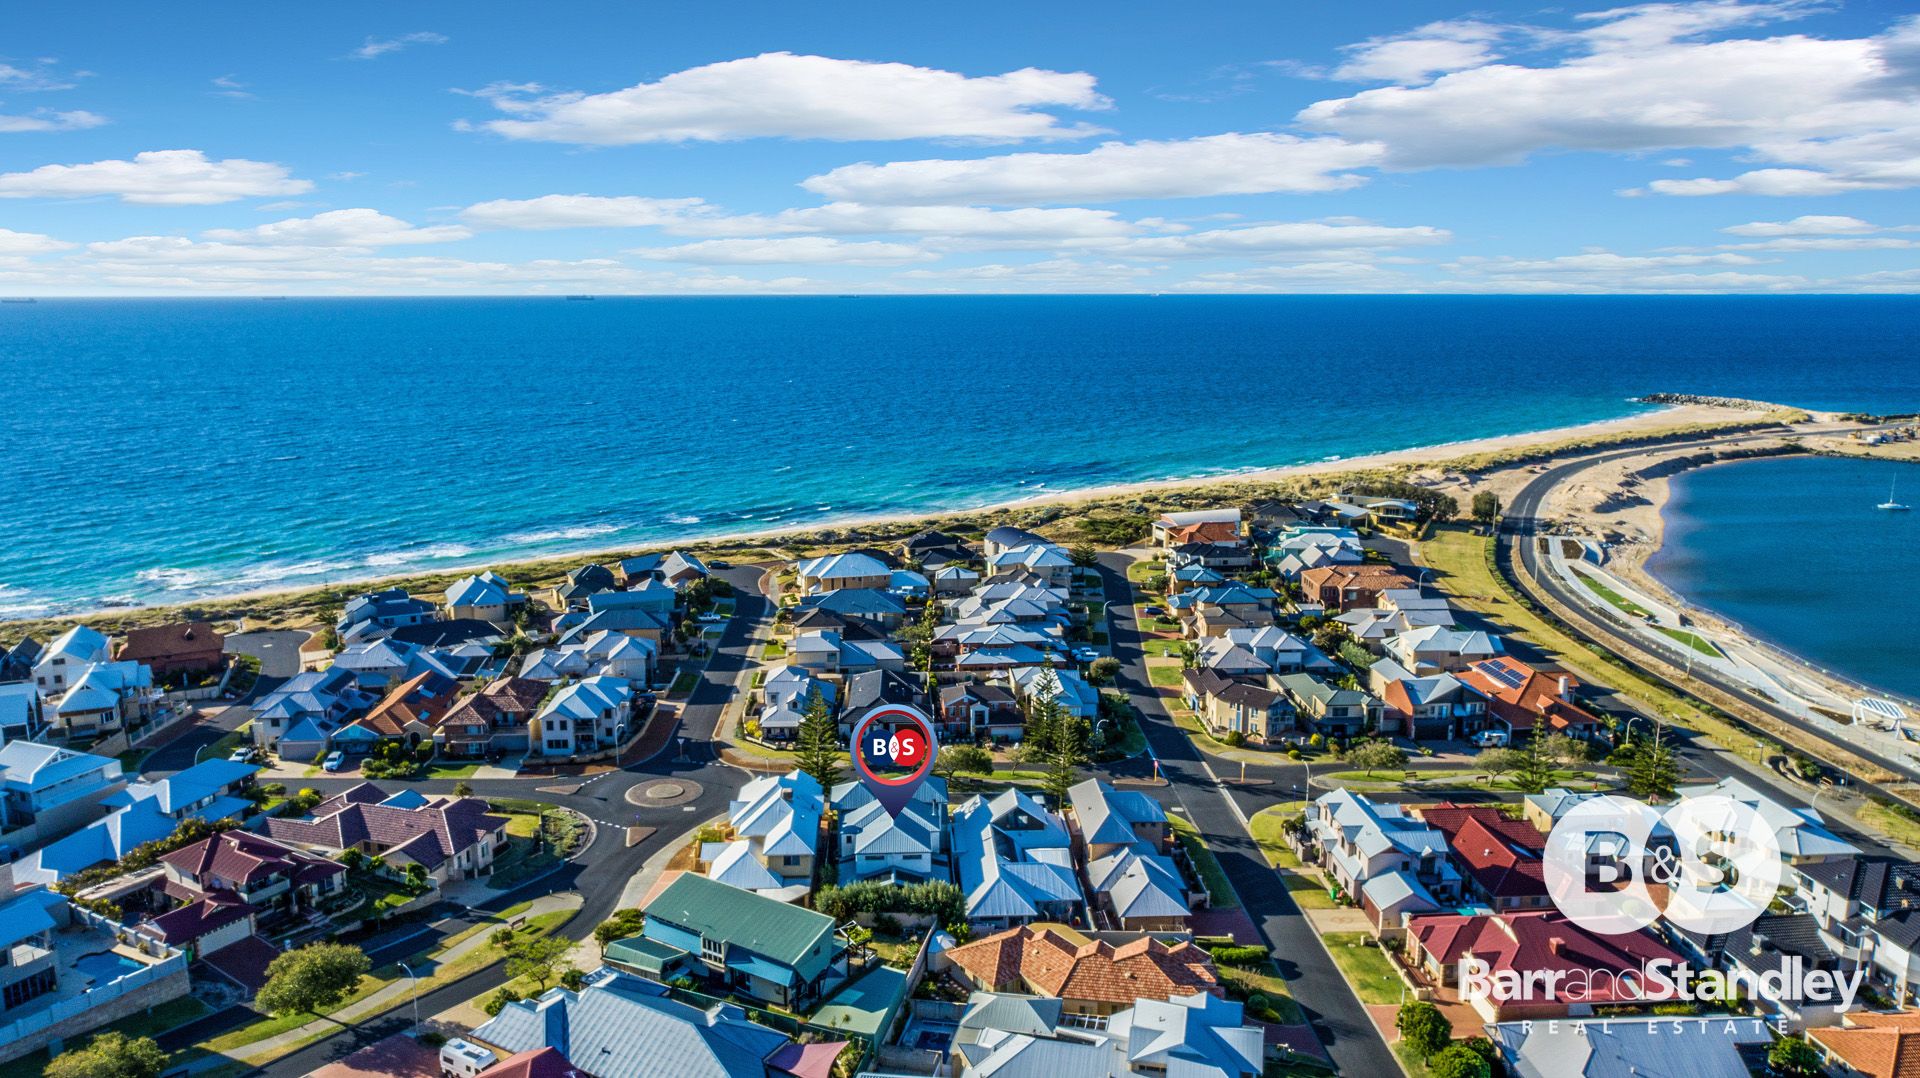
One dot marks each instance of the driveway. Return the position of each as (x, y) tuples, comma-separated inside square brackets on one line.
[(277, 649)]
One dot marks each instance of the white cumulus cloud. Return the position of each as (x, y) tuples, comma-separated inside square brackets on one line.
[(785, 250), (581, 211), (783, 95), (26, 244), (157, 177), (340, 228), (1227, 164), (1804, 225)]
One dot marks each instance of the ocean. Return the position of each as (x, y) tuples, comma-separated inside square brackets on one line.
[(1793, 550), (167, 450)]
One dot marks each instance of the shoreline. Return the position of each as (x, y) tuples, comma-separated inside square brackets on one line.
[(1442, 461)]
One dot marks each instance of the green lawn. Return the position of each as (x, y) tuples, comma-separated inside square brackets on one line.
[(1144, 570), (1159, 648), (1305, 890), (1165, 677), (684, 681), (1365, 966), (1691, 639), (1219, 891), (1617, 600), (1242, 984), (774, 649), (452, 770)]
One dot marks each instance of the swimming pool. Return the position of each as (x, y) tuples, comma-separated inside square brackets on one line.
[(107, 966)]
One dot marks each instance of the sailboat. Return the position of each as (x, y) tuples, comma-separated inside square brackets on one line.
[(1890, 505)]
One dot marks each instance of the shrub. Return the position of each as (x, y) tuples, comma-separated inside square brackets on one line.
[(1240, 957), (499, 1000)]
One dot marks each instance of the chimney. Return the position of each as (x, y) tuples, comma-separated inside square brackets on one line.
[(1555, 944), (1563, 686)]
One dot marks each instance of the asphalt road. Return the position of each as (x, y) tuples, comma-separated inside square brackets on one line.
[(1516, 538), (1196, 792), (600, 873)]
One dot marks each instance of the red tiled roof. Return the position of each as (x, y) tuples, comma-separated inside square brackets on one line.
[(545, 1062), (1521, 695), (1042, 960), (1875, 1045), (1543, 940), (407, 702), (514, 699), (1501, 854), (158, 643)]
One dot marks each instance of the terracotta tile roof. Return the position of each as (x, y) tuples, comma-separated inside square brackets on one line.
[(546, 1062), (1544, 940), (1522, 695), (410, 701), (1875, 1045), (429, 834), (1502, 855), (1042, 960), (1207, 531), (244, 858)]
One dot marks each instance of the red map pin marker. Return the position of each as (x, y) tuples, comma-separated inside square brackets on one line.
[(893, 752)]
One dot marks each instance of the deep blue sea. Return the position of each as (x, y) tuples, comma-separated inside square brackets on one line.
[(1794, 551), (160, 450)]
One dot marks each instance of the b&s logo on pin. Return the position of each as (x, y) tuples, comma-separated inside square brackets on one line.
[(893, 751)]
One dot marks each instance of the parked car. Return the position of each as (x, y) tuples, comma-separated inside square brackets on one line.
[(240, 756), (1085, 655), (718, 564), (1491, 739), (710, 618), (335, 761), (1152, 611)]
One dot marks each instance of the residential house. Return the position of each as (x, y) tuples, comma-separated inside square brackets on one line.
[(484, 596), (936, 550), (61, 662), (618, 1026), (1229, 706), (378, 663), (674, 568), (495, 720), (275, 879), (23, 711), (1197, 526), (1044, 563), (1196, 1036), (871, 688), (451, 838), (1088, 976), (954, 579), (104, 698), (640, 620), (1350, 587), (1124, 839), (1380, 508), (1870, 1045), (737, 942), (776, 828), (409, 713), (140, 813), (1014, 860), (587, 580), (1360, 844), (48, 793), (834, 653), (1433, 649), (1773, 945), (1067, 688), (184, 647), (583, 717), (837, 571), (605, 653), (879, 608), (1522, 701), (1619, 1047), (1218, 610), (1423, 708), (1529, 945), (1220, 557), (1804, 836), (379, 613), (202, 927), (784, 698), (977, 709), (1320, 708), (1188, 577), (1275, 650), (907, 847), (1499, 856), (298, 718), (1004, 538)]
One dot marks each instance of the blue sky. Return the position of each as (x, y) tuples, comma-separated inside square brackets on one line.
[(435, 148)]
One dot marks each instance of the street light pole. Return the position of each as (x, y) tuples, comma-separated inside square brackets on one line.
[(413, 988)]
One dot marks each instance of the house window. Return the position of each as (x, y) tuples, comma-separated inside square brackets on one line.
[(713, 951)]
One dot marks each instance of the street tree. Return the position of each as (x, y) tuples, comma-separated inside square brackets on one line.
[(110, 1055), (540, 959), (957, 760), (1499, 762), (1376, 755), (1486, 507), (817, 742), (312, 979), (1423, 1027)]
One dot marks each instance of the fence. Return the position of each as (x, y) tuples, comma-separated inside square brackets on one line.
[(93, 998)]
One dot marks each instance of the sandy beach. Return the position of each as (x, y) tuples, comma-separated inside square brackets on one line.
[(1429, 465)]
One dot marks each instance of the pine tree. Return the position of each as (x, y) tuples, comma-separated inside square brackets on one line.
[(921, 635), (1068, 753), (1536, 773), (1044, 714), (1654, 771), (817, 748)]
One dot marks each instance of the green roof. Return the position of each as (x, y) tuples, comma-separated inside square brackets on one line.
[(651, 956), (767, 927), (866, 1006)]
